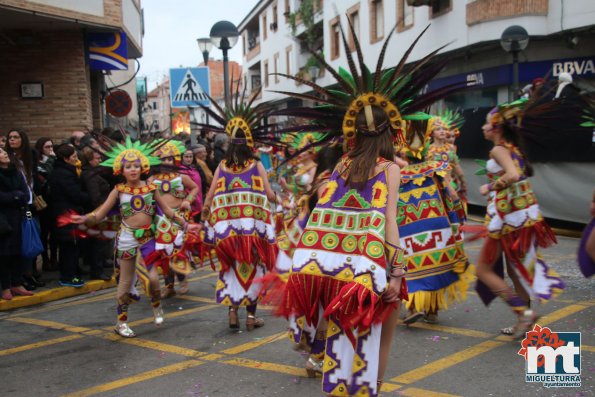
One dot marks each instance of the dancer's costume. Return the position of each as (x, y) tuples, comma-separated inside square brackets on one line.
[(513, 218), (447, 153), (240, 227), (342, 263), (171, 235), (132, 242), (429, 229), (585, 262)]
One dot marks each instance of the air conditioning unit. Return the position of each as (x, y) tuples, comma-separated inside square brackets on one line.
[(419, 3), (273, 26)]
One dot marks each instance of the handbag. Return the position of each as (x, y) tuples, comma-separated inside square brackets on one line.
[(31, 245), (39, 203)]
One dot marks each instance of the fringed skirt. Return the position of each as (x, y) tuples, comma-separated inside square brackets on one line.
[(429, 229), (513, 219)]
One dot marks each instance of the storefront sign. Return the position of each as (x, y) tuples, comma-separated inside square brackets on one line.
[(502, 75)]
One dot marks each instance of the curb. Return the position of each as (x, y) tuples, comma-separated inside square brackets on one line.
[(55, 294)]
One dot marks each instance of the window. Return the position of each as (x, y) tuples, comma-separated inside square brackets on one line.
[(440, 7), (376, 20), (154, 105), (288, 60), (353, 15), (266, 73), (335, 38), (244, 44), (276, 67), (264, 27), (274, 23), (404, 16), (287, 11)]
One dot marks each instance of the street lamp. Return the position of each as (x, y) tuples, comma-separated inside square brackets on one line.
[(224, 35), (514, 39), (205, 46), (313, 71)]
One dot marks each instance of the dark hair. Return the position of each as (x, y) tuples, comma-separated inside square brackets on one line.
[(64, 151), (369, 147), (510, 134), (24, 154), (327, 158), (39, 146), (238, 153), (87, 155)]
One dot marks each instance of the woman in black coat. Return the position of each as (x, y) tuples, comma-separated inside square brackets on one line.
[(13, 198), (66, 193), (95, 250)]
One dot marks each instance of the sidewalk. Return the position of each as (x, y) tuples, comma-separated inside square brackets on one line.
[(53, 291)]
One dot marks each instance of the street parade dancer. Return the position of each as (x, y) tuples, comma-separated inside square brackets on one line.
[(429, 228), (237, 210), (138, 201), (348, 266), (442, 126), (516, 228), (172, 186)]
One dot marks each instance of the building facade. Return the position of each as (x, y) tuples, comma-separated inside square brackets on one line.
[(47, 87), (277, 36)]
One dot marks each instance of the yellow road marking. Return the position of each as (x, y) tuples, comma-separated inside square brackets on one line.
[(414, 392), (36, 345), (583, 347), (560, 314), (266, 366), (196, 298), (212, 357), (254, 344), (49, 324), (388, 387), (446, 362), (149, 344), (203, 277), (136, 378), (175, 314), (453, 330)]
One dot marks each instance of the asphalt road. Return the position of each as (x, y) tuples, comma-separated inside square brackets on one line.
[(68, 348)]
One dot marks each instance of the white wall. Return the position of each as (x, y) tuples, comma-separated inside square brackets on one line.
[(447, 28)]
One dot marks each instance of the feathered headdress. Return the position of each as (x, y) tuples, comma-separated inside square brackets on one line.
[(396, 91), (169, 148), (244, 124), (118, 154), (453, 120)]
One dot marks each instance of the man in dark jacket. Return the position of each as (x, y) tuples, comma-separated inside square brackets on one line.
[(67, 194)]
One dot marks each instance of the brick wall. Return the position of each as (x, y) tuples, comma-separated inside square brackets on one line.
[(112, 11), (56, 58), (487, 10)]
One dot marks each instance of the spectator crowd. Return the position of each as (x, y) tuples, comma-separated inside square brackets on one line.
[(48, 179)]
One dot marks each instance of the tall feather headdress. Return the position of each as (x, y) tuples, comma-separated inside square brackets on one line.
[(394, 90)]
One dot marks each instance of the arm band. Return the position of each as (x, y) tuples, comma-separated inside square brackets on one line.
[(395, 260)]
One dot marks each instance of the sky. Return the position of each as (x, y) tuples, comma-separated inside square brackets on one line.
[(172, 27)]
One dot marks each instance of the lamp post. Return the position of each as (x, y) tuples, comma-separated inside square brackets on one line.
[(205, 46), (514, 39), (224, 35), (313, 71)]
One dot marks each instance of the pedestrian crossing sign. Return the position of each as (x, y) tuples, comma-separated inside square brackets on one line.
[(188, 87)]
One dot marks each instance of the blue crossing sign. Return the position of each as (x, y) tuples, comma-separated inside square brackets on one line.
[(188, 87)]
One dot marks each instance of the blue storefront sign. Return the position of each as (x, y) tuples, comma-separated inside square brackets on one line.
[(107, 51), (502, 75)]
